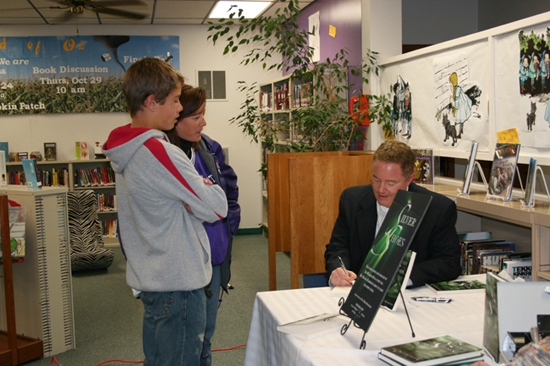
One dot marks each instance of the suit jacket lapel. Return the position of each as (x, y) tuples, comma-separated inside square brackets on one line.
[(366, 223)]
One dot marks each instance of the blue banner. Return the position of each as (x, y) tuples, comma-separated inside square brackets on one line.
[(81, 74)]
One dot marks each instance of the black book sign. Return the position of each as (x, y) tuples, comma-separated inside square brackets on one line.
[(385, 256)]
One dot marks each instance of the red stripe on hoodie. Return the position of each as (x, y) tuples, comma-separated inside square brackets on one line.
[(155, 146)]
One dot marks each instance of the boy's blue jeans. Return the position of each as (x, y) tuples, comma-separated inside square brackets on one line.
[(173, 327), (211, 315)]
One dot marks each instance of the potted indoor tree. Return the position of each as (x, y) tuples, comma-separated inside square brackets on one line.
[(325, 122)]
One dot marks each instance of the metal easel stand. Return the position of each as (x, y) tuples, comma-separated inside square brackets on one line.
[(345, 327), (532, 204)]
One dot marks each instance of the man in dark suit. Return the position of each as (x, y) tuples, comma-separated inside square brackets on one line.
[(363, 209)]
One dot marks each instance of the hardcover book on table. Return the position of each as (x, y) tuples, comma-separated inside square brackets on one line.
[(503, 171), (400, 281), (456, 287), (384, 258), (434, 351)]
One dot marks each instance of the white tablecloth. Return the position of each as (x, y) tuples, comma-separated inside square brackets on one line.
[(462, 318)]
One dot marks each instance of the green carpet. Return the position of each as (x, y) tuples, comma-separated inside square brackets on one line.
[(108, 318)]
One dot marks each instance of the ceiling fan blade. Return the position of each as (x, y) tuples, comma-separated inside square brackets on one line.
[(120, 13)]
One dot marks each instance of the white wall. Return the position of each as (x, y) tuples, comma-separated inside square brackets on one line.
[(29, 132)]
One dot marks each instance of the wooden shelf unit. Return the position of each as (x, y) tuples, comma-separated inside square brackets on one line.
[(529, 228), (72, 166)]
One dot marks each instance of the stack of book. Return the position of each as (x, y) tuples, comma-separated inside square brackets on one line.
[(444, 350), (482, 256)]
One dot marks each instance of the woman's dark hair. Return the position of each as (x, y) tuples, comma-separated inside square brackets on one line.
[(191, 99)]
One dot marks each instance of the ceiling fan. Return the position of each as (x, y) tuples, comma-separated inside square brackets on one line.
[(76, 7)]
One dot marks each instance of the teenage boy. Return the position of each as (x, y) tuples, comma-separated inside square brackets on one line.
[(161, 202)]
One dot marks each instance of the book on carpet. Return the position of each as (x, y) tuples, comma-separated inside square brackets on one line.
[(469, 173), (313, 326), (433, 351), (384, 257), (400, 281), (424, 166), (503, 171), (456, 287)]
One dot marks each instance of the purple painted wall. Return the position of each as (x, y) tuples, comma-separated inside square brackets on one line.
[(345, 15)]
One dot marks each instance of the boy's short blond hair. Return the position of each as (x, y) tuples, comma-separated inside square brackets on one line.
[(149, 76), (396, 152)]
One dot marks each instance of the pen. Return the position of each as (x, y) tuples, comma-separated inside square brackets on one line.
[(343, 266), (432, 299)]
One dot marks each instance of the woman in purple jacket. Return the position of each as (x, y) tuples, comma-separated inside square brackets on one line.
[(209, 159)]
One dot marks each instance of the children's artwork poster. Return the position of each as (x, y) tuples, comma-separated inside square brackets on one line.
[(401, 113), (522, 84), (73, 74), (449, 109), (457, 100)]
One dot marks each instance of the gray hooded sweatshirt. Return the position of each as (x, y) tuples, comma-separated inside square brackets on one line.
[(167, 247)]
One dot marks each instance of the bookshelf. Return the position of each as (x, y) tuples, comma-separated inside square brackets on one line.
[(528, 228), (94, 174)]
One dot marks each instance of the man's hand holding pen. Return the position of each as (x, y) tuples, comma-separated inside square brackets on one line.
[(341, 276)]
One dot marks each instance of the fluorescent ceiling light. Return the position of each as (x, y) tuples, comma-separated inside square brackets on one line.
[(251, 9)]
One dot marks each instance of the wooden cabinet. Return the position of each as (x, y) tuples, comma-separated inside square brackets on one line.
[(304, 190)]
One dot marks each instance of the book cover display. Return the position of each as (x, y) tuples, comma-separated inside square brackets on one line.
[(50, 151), (424, 166), (31, 173), (433, 351), (469, 173), (400, 281), (503, 171), (529, 199), (4, 146), (490, 320), (384, 258)]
